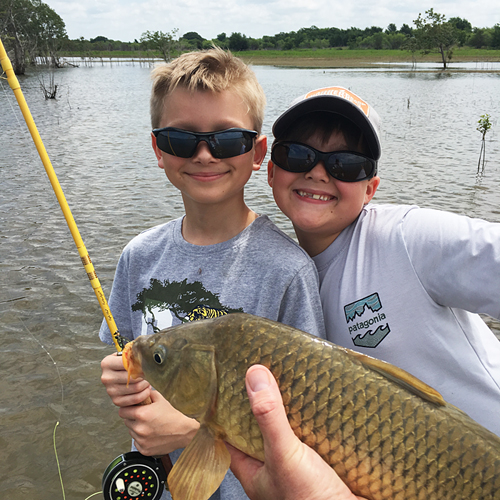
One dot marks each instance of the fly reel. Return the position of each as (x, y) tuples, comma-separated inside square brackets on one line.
[(134, 476)]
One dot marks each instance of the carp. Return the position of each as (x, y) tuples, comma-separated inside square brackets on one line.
[(386, 434)]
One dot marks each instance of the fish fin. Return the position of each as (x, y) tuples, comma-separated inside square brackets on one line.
[(196, 382), (401, 377), (200, 468)]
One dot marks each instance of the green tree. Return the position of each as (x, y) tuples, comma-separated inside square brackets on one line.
[(13, 30), (392, 28), (31, 29), (394, 41), (376, 41), (337, 37), (463, 29), (49, 32), (406, 30), (495, 36), (434, 33), (221, 40), (461, 24), (480, 38), (238, 42), (164, 43), (194, 39), (98, 39)]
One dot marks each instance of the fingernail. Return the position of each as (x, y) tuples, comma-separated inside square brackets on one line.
[(258, 379)]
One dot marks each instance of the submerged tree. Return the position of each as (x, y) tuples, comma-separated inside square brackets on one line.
[(13, 30), (434, 33), (31, 29), (165, 43), (50, 32), (483, 125)]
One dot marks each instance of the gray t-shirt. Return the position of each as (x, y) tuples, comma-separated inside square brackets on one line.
[(162, 280), (405, 284)]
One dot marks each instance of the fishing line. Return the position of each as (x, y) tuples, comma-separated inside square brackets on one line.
[(59, 468), (62, 404), (57, 461), (93, 495), (15, 111), (52, 359)]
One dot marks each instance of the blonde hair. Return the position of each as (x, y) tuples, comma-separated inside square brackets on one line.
[(214, 70)]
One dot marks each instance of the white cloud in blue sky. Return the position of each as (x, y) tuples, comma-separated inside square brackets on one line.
[(126, 20)]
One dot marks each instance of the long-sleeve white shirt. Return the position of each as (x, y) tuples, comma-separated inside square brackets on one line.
[(405, 284)]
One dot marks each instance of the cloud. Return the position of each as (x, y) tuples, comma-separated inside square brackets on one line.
[(126, 20)]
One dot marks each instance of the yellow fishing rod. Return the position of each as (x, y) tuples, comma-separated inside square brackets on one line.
[(154, 470), (87, 263)]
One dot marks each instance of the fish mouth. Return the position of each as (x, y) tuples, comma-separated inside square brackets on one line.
[(315, 196), (131, 363)]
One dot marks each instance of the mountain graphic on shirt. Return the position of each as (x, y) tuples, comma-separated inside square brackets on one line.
[(357, 308)]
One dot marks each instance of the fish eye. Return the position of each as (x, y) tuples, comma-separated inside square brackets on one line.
[(160, 354)]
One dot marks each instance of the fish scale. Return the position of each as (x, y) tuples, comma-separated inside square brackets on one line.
[(386, 434)]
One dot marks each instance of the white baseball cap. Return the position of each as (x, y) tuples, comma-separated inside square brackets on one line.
[(335, 100)]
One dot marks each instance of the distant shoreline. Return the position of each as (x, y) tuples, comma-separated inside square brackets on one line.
[(320, 63), (363, 58), (324, 58)]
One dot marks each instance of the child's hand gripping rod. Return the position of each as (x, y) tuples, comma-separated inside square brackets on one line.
[(118, 340)]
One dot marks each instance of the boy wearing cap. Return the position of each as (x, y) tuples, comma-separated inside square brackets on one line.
[(399, 283), (206, 110)]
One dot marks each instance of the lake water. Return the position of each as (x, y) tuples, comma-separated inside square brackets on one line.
[(97, 135)]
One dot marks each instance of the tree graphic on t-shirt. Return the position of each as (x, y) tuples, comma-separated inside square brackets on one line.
[(179, 297)]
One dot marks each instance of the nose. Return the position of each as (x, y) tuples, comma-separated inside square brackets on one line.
[(318, 173), (202, 153)]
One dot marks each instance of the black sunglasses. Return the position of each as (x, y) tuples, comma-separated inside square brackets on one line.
[(346, 166), (222, 144)]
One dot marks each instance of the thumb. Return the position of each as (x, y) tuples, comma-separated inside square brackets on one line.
[(263, 393), (267, 407)]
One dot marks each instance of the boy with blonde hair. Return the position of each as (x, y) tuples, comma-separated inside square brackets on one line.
[(399, 283), (206, 110)]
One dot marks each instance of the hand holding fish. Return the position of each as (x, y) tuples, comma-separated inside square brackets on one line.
[(291, 469), (116, 381), (156, 428)]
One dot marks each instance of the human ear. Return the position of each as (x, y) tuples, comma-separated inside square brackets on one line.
[(371, 189), (260, 150), (270, 173), (157, 151)]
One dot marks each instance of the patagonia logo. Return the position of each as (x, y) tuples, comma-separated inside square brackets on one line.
[(367, 331)]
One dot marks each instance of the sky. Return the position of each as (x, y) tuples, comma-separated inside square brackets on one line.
[(126, 20)]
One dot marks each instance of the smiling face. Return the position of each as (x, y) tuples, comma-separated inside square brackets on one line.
[(203, 179), (319, 206)]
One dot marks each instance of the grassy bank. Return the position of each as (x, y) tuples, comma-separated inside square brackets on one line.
[(320, 58), (330, 58)]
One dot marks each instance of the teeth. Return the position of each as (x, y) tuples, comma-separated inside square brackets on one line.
[(322, 197)]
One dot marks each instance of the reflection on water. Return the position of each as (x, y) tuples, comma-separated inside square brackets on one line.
[(436, 66), (97, 135)]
